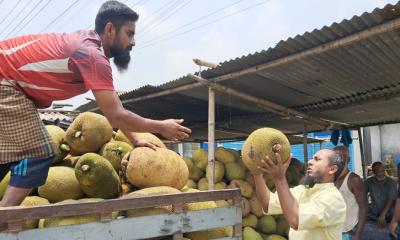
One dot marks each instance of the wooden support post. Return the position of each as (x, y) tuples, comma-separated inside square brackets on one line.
[(305, 148), (237, 228), (360, 140), (211, 138)]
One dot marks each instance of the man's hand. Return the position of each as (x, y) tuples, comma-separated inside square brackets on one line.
[(145, 143), (173, 130), (382, 220), (275, 170)]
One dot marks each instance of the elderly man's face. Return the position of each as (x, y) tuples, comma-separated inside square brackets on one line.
[(319, 166), (379, 171)]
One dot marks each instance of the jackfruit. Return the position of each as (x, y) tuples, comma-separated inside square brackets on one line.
[(120, 136), (152, 191), (233, 171), (88, 133), (219, 171), (282, 228), (31, 201), (61, 184), (57, 134), (275, 237), (114, 151), (260, 143), (235, 153), (245, 188), (4, 183), (220, 186), (63, 221), (191, 184), (96, 176), (224, 156), (161, 167), (200, 158), (195, 173), (267, 224), (203, 184), (250, 221), (251, 234)]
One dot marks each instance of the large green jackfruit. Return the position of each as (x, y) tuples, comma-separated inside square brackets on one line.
[(4, 183), (160, 167), (31, 201), (61, 184), (251, 234), (260, 143), (63, 221), (200, 158), (234, 171), (152, 191), (88, 133), (224, 155), (58, 135), (114, 151), (96, 176), (267, 224), (195, 173)]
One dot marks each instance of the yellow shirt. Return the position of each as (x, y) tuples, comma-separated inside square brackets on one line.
[(322, 212)]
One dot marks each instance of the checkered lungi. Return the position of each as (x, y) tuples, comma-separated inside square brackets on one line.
[(22, 133)]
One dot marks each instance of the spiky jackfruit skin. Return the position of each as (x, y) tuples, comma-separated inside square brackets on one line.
[(251, 234), (245, 188), (234, 171), (224, 155), (61, 184), (31, 201), (114, 151), (63, 221), (266, 224), (195, 173), (3, 184), (152, 191), (58, 135), (250, 221), (120, 136), (200, 158), (160, 167), (88, 133), (260, 143), (96, 176)]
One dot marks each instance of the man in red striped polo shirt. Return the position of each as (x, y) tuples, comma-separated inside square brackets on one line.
[(37, 69)]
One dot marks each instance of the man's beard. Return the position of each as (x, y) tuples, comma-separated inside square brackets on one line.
[(121, 57), (309, 181), (122, 61)]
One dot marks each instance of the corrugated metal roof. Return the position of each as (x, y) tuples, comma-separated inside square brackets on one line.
[(317, 73)]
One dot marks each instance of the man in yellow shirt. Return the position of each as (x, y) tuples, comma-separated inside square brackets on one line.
[(315, 209)]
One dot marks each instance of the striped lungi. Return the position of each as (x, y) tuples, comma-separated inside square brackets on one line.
[(22, 133)]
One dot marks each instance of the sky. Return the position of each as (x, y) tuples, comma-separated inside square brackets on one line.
[(170, 33)]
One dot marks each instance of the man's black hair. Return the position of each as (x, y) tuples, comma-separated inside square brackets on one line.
[(115, 12), (336, 159)]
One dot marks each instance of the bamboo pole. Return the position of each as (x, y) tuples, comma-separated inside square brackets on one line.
[(211, 138)]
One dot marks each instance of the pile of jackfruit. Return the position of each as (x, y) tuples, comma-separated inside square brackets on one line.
[(95, 163), (235, 169)]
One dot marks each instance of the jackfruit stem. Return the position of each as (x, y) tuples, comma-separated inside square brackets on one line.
[(78, 134), (85, 168), (65, 147)]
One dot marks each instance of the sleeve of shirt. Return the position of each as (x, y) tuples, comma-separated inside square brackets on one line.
[(274, 205), (326, 210), (93, 67)]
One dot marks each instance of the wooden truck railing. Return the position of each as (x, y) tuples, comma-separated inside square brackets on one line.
[(173, 224)]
